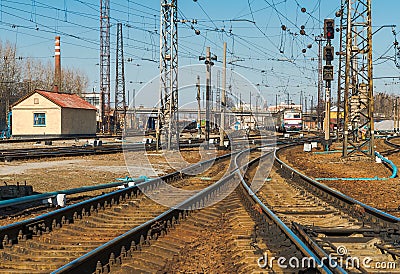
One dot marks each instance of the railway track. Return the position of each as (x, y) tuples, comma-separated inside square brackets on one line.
[(396, 147), (361, 238), (252, 233), (36, 153), (64, 151), (166, 242), (29, 246), (291, 217), (47, 242)]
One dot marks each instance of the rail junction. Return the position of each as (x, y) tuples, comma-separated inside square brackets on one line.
[(279, 221)]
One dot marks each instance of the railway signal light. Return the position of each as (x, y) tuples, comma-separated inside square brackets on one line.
[(327, 72), (328, 53), (329, 28)]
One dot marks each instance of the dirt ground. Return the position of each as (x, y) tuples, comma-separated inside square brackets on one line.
[(382, 194), (209, 253), (52, 174)]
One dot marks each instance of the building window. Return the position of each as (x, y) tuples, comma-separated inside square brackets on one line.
[(39, 119), (36, 101)]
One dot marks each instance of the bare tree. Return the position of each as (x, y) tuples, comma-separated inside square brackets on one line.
[(20, 76), (9, 76)]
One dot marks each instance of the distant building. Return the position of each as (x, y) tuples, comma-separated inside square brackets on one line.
[(52, 114), (384, 125), (93, 99), (333, 122)]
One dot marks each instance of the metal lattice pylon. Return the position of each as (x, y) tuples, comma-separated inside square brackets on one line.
[(105, 64), (167, 123), (358, 87), (120, 102)]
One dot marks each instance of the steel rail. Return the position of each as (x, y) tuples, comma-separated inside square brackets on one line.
[(350, 205), (305, 250), (389, 143)]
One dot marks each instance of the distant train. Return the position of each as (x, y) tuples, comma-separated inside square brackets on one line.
[(289, 120)]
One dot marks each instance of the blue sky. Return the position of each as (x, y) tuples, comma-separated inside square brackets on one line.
[(258, 48)]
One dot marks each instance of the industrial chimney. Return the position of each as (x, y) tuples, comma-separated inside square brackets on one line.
[(57, 59)]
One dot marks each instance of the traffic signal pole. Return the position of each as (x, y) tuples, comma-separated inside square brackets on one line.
[(329, 33), (327, 111)]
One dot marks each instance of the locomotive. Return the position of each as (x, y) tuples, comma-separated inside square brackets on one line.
[(289, 120)]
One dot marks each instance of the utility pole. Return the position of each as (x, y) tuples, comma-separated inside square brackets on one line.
[(134, 109), (208, 88), (218, 93), (288, 99), (358, 95), (167, 121), (209, 63), (223, 100), (105, 64), (120, 100), (250, 99), (312, 104), (305, 104), (256, 118), (217, 109), (198, 106), (301, 100)]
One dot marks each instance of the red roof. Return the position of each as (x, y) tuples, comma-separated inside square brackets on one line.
[(66, 100)]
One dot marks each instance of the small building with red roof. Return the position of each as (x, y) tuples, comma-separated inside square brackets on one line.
[(52, 114)]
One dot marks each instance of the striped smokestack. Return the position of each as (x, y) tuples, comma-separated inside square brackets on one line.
[(57, 59)]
